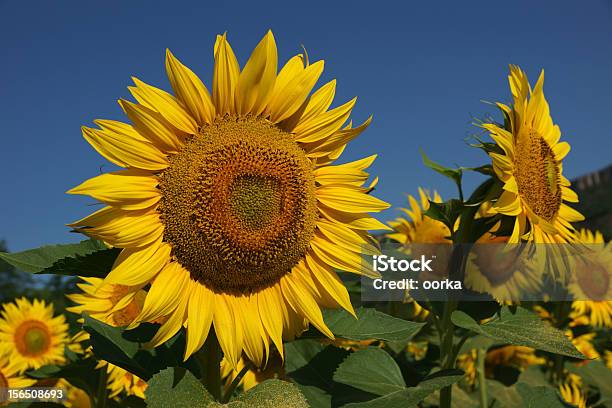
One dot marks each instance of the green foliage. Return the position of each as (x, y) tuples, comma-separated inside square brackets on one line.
[(522, 328), (596, 374), (383, 374), (77, 373), (126, 348), (38, 259), (370, 324), (176, 387)]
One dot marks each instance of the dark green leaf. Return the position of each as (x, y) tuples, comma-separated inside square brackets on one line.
[(411, 396), (78, 373), (370, 324), (371, 370), (539, 396), (39, 259), (523, 328), (446, 212), (178, 388)]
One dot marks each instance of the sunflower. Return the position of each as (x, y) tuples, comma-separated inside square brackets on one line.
[(229, 206), (515, 356), (75, 397), (120, 380), (10, 378), (591, 283), (505, 272), (530, 165), (572, 393), (467, 363), (116, 305), (416, 227), (30, 335), (584, 344)]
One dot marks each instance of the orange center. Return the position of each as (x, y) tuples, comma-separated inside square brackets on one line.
[(32, 338)]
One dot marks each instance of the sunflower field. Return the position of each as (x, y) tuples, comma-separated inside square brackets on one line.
[(237, 260)]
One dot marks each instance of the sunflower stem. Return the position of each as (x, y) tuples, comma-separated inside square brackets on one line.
[(232, 387), (482, 382), (209, 358), (101, 391)]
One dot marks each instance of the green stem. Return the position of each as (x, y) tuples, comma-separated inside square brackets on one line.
[(100, 398), (482, 382), (230, 390), (209, 359)]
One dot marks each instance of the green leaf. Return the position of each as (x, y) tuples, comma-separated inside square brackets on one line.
[(411, 396), (117, 346), (370, 324), (312, 366), (453, 174), (596, 373), (40, 259), (523, 328), (371, 370), (78, 373), (506, 397), (539, 396), (178, 388), (273, 394), (446, 212)]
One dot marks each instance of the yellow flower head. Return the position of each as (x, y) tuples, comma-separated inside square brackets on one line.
[(120, 380), (230, 207), (573, 394), (530, 165), (416, 227), (30, 335)]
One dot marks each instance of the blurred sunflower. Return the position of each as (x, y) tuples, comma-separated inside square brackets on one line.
[(591, 283), (75, 397), (584, 344), (116, 305), (530, 164), (505, 272), (229, 206), (10, 377), (572, 393), (30, 335), (520, 357), (417, 227), (120, 380), (467, 363)]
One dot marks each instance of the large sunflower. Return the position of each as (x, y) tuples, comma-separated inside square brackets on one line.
[(530, 165), (229, 206), (30, 335)]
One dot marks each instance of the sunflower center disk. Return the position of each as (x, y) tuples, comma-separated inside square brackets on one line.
[(238, 205), (537, 174), (32, 338)]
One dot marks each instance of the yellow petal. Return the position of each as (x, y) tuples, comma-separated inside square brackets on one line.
[(359, 221), (349, 199), (561, 150), (257, 78), (190, 90), (508, 203), (174, 322), (318, 103), (122, 228), (270, 313), (200, 315), (152, 126), (138, 266), (569, 214), (164, 103), (345, 237), (291, 93), (328, 281), (225, 76), (126, 189), (165, 293), (335, 141), (256, 345), (126, 149), (301, 300), (338, 257), (324, 125), (229, 332)]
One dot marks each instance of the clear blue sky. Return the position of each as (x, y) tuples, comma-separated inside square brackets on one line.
[(422, 69)]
